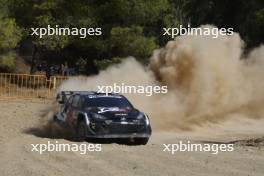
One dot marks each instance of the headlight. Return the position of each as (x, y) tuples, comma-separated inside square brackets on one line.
[(147, 119), (140, 116), (97, 116), (143, 116)]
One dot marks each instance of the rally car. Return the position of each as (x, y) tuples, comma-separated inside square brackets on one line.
[(102, 116)]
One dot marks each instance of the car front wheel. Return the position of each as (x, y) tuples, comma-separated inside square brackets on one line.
[(141, 141), (81, 131)]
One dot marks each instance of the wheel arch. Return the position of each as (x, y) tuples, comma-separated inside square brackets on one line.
[(83, 117)]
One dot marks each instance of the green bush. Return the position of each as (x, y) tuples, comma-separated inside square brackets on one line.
[(7, 61), (130, 41), (10, 34), (103, 64)]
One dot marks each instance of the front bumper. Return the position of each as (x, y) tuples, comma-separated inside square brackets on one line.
[(111, 136), (118, 130)]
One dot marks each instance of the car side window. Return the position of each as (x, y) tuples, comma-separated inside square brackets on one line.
[(81, 102), (70, 100), (75, 100), (66, 105)]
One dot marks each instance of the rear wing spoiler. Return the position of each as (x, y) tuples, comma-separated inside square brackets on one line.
[(63, 96)]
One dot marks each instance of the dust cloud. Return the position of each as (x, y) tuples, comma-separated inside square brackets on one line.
[(46, 128), (208, 79)]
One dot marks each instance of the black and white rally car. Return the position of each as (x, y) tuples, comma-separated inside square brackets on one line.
[(104, 116)]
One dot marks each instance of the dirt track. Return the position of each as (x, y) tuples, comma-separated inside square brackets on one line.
[(18, 159)]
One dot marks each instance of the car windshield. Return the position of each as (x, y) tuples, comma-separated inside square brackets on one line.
[(108, 102)]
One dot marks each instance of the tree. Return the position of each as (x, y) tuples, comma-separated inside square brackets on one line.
[(125, 41), (244, 16), (130, 28), (10, 35)]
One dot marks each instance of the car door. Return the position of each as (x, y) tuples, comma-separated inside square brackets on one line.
[(72, 110), (65, 109)]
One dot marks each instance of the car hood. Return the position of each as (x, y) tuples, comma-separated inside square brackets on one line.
[(115, 112)]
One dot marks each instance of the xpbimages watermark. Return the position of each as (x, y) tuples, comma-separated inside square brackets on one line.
[(133, 89), (82, 148), (203, 31), (61, 31), (192, 147)]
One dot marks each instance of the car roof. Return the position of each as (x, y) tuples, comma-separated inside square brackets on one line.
[(84, 93)]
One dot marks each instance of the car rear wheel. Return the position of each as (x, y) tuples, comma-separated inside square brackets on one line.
[(81, 131)]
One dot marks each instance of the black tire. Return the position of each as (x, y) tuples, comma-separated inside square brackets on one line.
[(140, 141), (81, 131), (55, 119)]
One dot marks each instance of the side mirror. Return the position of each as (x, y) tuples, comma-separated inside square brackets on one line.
[(61, 102), (60, 99)]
